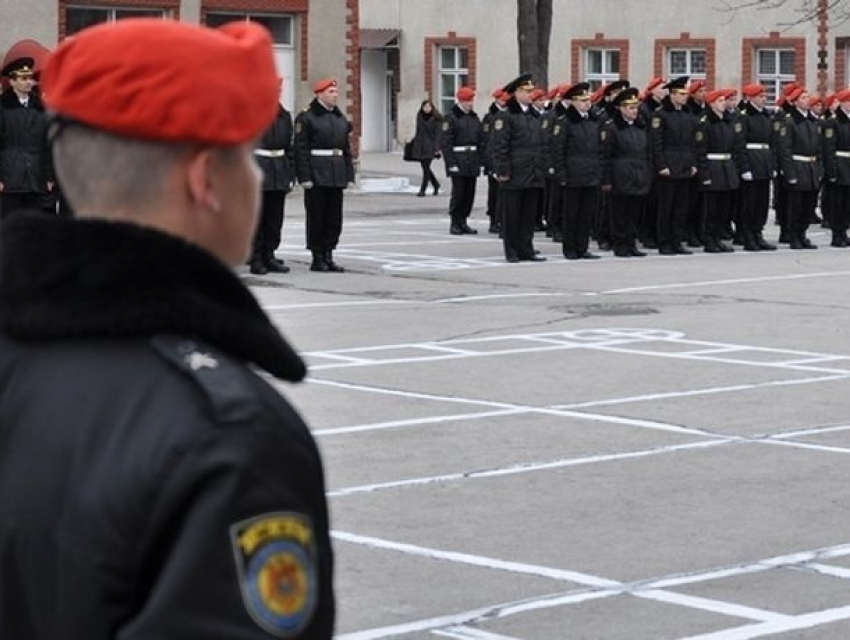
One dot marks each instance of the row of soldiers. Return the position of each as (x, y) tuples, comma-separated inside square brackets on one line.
[(677, 166)]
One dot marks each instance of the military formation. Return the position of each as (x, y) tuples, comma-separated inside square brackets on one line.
[(673, 168)]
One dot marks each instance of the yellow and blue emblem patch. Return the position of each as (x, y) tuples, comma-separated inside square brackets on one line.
[(276, 561)]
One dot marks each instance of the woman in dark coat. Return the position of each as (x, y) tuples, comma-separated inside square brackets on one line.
[(425, 147)]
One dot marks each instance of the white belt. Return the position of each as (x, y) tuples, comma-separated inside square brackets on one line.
[(843, 154), (719, 156), (804, 158), (270, 153), (757, 145), (460, 149), (325, 152)]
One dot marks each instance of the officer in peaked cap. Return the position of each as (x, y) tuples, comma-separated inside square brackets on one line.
[(26, 171), (519, 163), (184, 497)]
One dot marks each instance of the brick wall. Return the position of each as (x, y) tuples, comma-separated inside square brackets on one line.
[(352, 65), (449, 40), (840, 77), (774, 40), (599, 41), (685, 41)]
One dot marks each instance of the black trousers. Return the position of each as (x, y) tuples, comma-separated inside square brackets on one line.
[(673, 203), (840, 215), (462, 198), (493, 199), (579, 206), (267, 234), (780, 201), (648, 227), (519, 209), (829, 199), (556, 207), (755, 202), (601, 220), (428, 176), (324, 217), (15, 203), (801, 208), (626, 214), (694, 215), (717, 206)]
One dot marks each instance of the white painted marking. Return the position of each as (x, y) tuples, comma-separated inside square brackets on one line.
[(715, 606), (712, 283), (467, 633), (795, 623), (342, 303), (503, 296), (396, 424), (827, 570)]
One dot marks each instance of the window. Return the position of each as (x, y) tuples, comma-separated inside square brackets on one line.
[(601, 66), (775, 67), (78, 18), (686, 62), (280, 26), (453, 73)]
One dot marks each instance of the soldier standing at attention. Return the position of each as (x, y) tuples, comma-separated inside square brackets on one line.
[(672, 137), (577, 156), (273, 154), (718, 149), (460, 141), (497, 106), (799, 149), (837, 165), (26, 170), (648, 226), (518, 161), (325, 169), (153, 483), (626, 171), (757, 168)]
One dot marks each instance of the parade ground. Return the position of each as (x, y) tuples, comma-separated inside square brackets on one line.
[(618, 449)]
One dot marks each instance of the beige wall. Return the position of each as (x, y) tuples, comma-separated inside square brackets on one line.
[(327, 55), (28, 19)]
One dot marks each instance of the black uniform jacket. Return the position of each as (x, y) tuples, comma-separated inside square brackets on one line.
[(626, 157), (486, 131), (719, 145), (25, 162), (647, 107), (758, 157), (800, 152), (322, 147), (518, 147), (672, 135), (426, 137), (149, 478), (460, 142), (836, 145), (277, 169), (577, 150)]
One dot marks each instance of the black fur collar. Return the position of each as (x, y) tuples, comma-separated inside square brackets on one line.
[(63, 278), (574, 115), (460, 113), (9, 100), (319, 109)]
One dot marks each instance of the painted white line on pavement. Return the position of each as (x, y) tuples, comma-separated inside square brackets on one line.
[(715, 606), (826, 570), (712, 283), (397, 424), (793, 623), (343, 303), (468, 633), (501, 296)]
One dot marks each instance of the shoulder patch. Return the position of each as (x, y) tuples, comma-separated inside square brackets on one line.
[(738, 127), (556, 130), (782, 131), (776, 125), (699, 136), (445, 126), (545, 124), (486, 127), (275, 557), (656, 122), (298, 126), (499, 124), (220, 379), (829, 132), (603, 135)]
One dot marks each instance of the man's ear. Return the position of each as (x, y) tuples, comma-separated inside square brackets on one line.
[(199, 168)]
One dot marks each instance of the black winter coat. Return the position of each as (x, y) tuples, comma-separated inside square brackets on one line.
[(672, 136), (426, 138), (800, 136), (25, 160), (277, 171), (719, 146), (486, 135), (150, 478), (322, 147), (758, 157), (577, 150), (836, 146), (461, 143), (626, 157), (518, 148)]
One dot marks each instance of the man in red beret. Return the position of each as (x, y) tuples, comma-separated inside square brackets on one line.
[(835, 200), (156, 485), (461, 140), (758, 166), (26, 171), (800, 159), (325, 169), (497, 106), (648, 225)]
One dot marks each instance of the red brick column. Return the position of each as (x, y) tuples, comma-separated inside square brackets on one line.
[(352, 65)]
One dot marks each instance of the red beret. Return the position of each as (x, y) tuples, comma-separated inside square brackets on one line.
[(816, 100), (166, 80), (652, 84), (788, 89), (553, 93), (695, 86), (843, 96), (537, 94), (712, 96), (324, 85), (828, 100), (753, 90), (563, 88), (465, 94), (796, 93), (497, 94)]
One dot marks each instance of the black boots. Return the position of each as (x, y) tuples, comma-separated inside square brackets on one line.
[(323, 262)]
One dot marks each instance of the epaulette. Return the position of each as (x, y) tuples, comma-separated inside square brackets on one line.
[(703, 118), (222, 380)]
